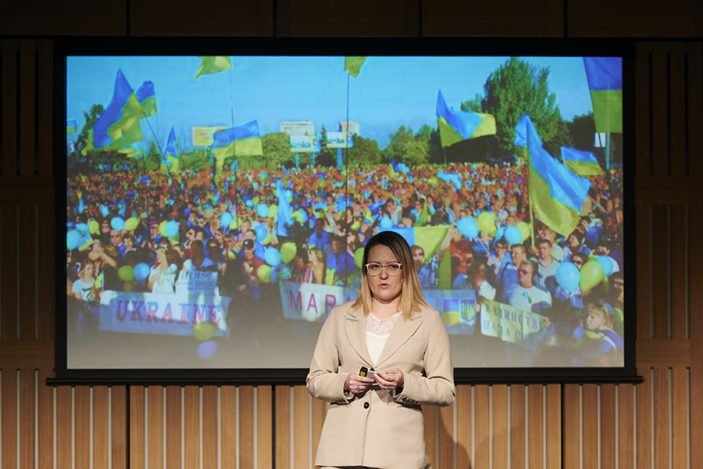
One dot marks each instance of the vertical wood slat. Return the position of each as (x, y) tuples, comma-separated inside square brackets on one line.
[(679, 296), (554, 426), (283, 427), (608, 436), (228, 425), (45, 273), (137, 448), (626, 426), (660, 271), (518, 429), (246, 426), (45, 118), (677, 108), (9, 103), (535, 416), (643, 280), (463, 425), (659, 117), (319, 411), (445, 454), (643, 167), (101, 445), (661, 417), (482, 436), (27, 401), (26, 267), (300, 426), (64, 430), (589, 425), (644, 420), (572, 422), (155, 426), (500, 425), (430, 413), (9, 418), (173, 427), (27, 96), (209, 426), (679, 423), (45, 421), (8, 270), (694, 118), (81, 435), (264, 447), (191, 426), (118, 418)]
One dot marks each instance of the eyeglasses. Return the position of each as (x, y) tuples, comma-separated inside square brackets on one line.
[(392, 268), (525, 272)]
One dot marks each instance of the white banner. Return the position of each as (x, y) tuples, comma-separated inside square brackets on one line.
[(312, 301), (161, 313), (512, 324)]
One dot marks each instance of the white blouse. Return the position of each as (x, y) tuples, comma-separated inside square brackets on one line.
[(377, 333)]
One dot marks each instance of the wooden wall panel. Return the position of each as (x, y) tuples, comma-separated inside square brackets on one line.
[(543, 18), (43, 17)]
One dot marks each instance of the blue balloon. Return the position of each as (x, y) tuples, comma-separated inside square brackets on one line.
[(104, 211), (467, 227), (171, 228), (285, 273), (512, 235), (226, 219), (272, 256), (73, 239), (117, 223), (262, 210), (607, 263), (568, 277), (592, 234), (261, 232), (83, 229), (207, 349), (141, 272)]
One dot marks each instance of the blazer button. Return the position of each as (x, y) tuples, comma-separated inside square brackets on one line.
[(366, 405)]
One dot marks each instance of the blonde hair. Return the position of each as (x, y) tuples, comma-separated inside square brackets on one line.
[(411, 298)]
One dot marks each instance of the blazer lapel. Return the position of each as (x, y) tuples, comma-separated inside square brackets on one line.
[(403, 330), (355, 328)]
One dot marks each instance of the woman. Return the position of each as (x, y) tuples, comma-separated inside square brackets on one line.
[(377, 422)]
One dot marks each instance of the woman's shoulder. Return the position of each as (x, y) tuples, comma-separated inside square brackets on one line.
[(345, 308)]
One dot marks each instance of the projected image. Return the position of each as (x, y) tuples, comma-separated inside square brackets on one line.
[(217, 207)]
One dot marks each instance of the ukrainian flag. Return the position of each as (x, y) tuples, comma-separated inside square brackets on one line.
[(457, 126), (583, 163), (213, 64), (71, 126), (604, 75), (352, 65), (147, 98), (556, 193), (237, 141), (285, 212), (118, 125), (429, 238), (170, 155)]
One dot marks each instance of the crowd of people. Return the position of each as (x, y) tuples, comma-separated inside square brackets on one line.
[(138, 232)]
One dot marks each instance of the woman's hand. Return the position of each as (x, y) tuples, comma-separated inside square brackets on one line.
[(391, 379), (357, 384)]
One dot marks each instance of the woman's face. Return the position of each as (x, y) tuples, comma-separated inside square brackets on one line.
[(384, 288)]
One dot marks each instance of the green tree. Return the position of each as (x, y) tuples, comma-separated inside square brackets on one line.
[(276, 149), (431, 136), (364, 151), (518, 88), (404, 146), (582, 130), (327, 156)]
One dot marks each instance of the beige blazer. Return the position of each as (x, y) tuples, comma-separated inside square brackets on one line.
[(379, 428)]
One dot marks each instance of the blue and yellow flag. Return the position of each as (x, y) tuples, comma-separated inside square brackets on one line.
[(604, 75), (170, 155), (213, 64), (71, 126), (285, 212), (118, 125), (583, 163), (242, 140), (147, 98), (457, 126), (352, 65), (557, 194)]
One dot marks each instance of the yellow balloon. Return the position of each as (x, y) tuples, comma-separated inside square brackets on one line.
[(525, 230), (93, 226), (162, 228)]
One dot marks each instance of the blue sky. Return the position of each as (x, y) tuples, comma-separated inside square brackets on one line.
[(389, 91)]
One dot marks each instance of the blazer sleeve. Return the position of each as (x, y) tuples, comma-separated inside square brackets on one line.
[(436, 386), (324, 380)]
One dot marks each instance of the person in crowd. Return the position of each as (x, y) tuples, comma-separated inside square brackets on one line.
[(375, 419), (527, 294)]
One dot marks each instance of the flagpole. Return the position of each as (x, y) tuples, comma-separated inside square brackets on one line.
[(346, 150), (529, 195)]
